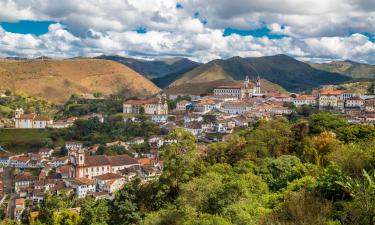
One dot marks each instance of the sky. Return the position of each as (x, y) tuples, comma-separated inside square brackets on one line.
[(202, 30)]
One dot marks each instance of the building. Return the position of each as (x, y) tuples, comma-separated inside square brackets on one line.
[(19, 208), (92, 166), (109, 182), (305, 100), (354, 102), (241, 91), (81, 185), (153, 106), (329, 98), (181, 105), (73, 145), (29, 121), (370, 105)]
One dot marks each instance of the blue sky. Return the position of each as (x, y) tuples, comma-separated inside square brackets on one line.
[(317, 30)]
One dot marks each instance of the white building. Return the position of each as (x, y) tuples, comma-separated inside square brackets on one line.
[(29, 121), (81, 185), (92, 166), (305, 100), (154, 106), (109, 182)]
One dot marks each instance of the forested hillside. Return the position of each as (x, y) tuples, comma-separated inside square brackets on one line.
[(307, 170)]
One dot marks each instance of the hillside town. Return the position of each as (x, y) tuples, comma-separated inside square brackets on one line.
[(76, 169)]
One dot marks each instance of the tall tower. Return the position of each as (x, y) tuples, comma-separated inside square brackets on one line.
[(257, 86), (247, 82), (80, 157), (18, 113)]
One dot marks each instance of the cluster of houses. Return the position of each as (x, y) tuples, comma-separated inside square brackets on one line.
[(242, 104), (80, 172)]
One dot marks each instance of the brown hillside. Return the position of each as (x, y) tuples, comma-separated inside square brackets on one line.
[(57, 80)]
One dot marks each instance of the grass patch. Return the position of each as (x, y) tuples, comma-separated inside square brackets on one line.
[(23, 140)]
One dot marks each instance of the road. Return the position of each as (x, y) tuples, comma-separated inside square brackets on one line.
[(8, 180)]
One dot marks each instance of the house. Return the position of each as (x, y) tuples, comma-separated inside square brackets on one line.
[(194, 128), (130, 172), (236, 108), (73, 145), (370, 105), (4, 160), (19, 161), (58, 162), (153, 106), (19, 208), (149, 173), (330, 98), (159, 118), (81, 185), (23, 181), (109, 182), (29, 121), (92, 166), (305, 100), (205, 106), (45, 152), (38, 196), (181, 105), (354, 102)]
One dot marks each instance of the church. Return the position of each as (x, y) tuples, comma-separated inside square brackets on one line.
[(153, 106), (248, 89), (92, 166)]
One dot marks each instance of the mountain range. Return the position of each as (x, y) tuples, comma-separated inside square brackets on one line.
[(56, 80), (282, 70)]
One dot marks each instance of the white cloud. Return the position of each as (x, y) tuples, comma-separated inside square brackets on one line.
[(315, 29)]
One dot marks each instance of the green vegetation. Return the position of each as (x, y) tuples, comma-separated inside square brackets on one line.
[(29, 104), (24, 140), (316, 170), (76, 106)]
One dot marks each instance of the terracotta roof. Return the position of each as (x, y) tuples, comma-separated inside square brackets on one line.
[(42, 118), (145, 161), (109, 176), (120, 160), (20, 201), (331, 92), (27, 116), (64, 169), (97, 160), (83, 180), (305, 97), (21, 158), (183, 102)]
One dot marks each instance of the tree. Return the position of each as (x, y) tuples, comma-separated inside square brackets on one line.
[(279, 172), (319, 147), (181, 161), (66, 217), (51, 204), (8, 93), (124, 208), (94, 212), (320, 122), (268, 138)]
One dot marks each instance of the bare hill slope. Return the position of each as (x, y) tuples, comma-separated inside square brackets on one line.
[(57, 80)]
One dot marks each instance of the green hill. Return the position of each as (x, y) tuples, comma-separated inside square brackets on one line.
[(289, 73), (349, 68), (154, 69)]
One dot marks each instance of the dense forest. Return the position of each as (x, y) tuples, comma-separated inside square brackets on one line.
[(315, 170)]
